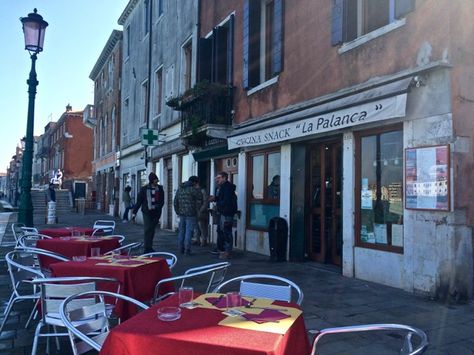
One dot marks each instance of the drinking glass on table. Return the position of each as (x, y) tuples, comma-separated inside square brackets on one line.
[(185, 295), (95, 252), (234, 299)]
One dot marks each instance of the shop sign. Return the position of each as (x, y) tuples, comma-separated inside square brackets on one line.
[(356, 115)]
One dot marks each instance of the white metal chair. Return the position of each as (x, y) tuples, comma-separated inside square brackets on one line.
[(37, 253), (171, 259), (208, 275), (88, 326), (17, 231), (22, 271), (29, 240), (274, 287), (103, 227), (125, 249), (120, 238), (407, 348), (29, 230), (53, 292)]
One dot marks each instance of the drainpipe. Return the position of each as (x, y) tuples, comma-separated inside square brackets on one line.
[(148, 90)]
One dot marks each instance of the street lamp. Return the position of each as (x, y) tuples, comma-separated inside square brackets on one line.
[(34, 28)]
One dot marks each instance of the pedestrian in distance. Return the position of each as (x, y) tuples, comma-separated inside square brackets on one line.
[(50, 193), (127, 202), (150, 199), (226, 204), (187, 203), (202, 228)]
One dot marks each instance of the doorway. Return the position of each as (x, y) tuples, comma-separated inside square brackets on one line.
[(324, 201)]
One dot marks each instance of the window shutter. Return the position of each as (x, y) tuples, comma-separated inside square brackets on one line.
[(205, 59), (277, 36), (246, 46), (230, 51), (403, 7), (337, 21), (215, 54)]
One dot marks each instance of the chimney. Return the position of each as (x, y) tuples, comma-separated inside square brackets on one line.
[(68, 108)]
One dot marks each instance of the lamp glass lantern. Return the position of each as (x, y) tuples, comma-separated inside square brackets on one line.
[(34, 28)]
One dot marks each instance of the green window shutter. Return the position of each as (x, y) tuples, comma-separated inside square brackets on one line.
[(403, 7), (277, 36), (337, 22)]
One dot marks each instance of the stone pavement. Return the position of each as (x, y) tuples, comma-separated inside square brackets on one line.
[(330, 299)]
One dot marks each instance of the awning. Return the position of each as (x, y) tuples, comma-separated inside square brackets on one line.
[(326, 114)]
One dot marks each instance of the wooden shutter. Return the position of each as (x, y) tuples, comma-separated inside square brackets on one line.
[(403, 7), (337, 22), (246, 45), (230, 51), (205, 59), (277, 36)]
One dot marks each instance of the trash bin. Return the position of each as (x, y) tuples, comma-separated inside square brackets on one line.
[(278, 235), (81, 205)]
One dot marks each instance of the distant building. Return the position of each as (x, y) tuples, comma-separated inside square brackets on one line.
[(104, 118)]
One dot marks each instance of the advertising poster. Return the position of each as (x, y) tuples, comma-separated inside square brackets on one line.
[(427, 178)]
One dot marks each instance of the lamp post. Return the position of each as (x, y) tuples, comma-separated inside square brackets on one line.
[(34, 28)]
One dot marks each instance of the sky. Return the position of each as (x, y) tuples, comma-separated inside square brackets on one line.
[(75, 37)]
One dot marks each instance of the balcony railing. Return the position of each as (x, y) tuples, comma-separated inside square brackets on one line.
[(205, 105)]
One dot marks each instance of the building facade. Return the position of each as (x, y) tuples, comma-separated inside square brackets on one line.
[(361, 111), (104, 117)]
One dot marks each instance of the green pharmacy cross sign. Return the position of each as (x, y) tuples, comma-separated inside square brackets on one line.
[(149, 136)]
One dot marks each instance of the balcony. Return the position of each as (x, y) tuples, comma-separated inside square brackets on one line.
[(206, 113)]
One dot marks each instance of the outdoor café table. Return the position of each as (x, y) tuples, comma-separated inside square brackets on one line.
[(206, 330), (70, 246), (137, 276), (65, 231)]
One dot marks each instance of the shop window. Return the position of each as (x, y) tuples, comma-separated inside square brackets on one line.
[(262, 42), (379, 192), (142, 179), (263, 188), (354, 18)]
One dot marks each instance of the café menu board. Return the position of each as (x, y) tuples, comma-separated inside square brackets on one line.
[(427, 182)]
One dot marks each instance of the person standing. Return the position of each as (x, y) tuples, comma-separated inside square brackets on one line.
[(151, 200), (127, 202), (202, 229), (187, 202), (226, 203)]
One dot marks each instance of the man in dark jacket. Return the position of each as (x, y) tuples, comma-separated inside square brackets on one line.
[(187, 202), (226, 203), (151, 199)]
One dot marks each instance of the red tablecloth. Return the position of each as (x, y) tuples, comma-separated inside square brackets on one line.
[(137, 281), (197, 332), (75, 246), (65, 231)]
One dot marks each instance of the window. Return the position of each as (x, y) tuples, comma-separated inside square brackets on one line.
[(184, 168), (111, 71), (159, 11), (127, 52), (146, 17), (159, 90), (169, 82), (142, 179), (355, 18), (379, 193), (144, 102), (262, 43), (216, 54), (263, 188), (187, 65)]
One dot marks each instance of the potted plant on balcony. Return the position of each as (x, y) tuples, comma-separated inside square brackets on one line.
[(202, 90)]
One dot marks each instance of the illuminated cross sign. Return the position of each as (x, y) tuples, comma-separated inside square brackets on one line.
[(149, 136)]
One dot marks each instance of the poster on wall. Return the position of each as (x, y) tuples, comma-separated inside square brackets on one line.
[(427, 178)]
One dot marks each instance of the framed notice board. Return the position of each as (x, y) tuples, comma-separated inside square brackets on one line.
[(427, 178)]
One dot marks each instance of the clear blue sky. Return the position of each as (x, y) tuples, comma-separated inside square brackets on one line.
[(75, 37)]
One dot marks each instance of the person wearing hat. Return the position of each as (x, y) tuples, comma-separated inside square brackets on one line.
[(151, 199)]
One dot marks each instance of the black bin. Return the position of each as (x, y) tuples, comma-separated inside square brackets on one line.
[(277, 234)]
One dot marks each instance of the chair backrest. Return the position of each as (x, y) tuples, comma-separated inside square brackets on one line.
[(17, 231), (56, 289), (208, 275), (29, 230), (103, 226), (407, 347), (125, 249), (94, 326), (29, 240), (22, 270), (120, 238), (38, 253), (171, 259), (274, 287)]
